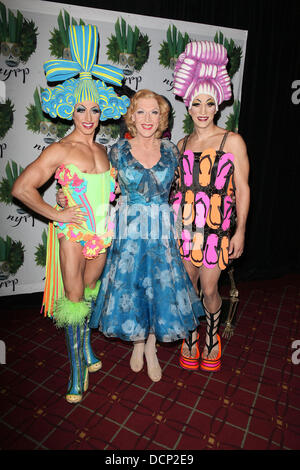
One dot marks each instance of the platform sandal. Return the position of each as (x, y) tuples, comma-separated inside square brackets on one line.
[(212, 365), (190, 363)]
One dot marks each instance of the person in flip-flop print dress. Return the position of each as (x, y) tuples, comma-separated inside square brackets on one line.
[(212, 190)]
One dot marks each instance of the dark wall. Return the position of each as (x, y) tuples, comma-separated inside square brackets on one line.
[(269, 120)]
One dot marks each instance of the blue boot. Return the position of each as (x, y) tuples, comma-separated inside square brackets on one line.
[(92, 361), (78, 382)]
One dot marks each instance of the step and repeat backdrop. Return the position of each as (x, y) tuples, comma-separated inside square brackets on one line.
[(146, 48)]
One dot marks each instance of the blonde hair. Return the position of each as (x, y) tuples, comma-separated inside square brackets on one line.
[(164, 109)]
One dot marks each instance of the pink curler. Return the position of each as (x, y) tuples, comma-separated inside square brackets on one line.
[(201, 68)]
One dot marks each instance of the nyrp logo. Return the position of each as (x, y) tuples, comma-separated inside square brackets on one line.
[(59, 41), (129, 48), (173, 47), (37, 122), (17, 37)]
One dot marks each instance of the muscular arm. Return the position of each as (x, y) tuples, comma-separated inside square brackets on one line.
[(33, 177), (237, 147)]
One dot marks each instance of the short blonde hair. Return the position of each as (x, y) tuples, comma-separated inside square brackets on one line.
[(164, 109)]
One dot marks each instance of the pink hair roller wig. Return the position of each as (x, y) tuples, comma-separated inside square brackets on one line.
[(201, 68)]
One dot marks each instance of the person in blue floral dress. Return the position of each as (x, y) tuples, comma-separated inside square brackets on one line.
[(145, 293)]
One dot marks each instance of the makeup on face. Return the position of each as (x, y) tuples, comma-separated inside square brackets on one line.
[(81, 109), (209, 102), (203, 109), (87, 115), (147, 114)]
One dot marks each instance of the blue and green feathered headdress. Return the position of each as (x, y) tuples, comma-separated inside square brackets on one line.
[(61, 99)]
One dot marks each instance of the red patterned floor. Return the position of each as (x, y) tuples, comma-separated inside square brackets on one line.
[(252, 403)]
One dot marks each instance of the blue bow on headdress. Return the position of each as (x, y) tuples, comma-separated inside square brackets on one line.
[(60, 100), (84, 46)]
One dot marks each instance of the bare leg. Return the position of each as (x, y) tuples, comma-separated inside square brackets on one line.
[(93, 270), (72, 263), (212, 301), (193, 273), (77, 271), (154, 369)]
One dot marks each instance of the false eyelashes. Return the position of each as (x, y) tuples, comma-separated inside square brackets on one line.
[(209, 103), (82, 109)]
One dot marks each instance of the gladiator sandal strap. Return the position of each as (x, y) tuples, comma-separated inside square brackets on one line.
[(213, 320)]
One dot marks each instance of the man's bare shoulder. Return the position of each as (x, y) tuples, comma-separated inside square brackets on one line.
[(235, 143), (71, 142), (55, 152), (69, 151), (235, 138), (65, 145)]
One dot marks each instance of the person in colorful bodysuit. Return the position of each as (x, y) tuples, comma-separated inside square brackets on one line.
[(212, 190), (80, 234)]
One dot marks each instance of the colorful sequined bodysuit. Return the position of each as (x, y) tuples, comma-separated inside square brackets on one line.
[(204, 205), (93, 192)]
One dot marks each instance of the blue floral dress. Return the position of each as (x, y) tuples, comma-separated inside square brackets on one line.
[(144, 286)]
